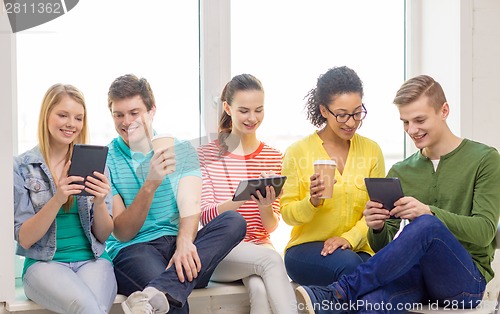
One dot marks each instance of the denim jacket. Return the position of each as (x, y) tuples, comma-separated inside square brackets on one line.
[(33, 188)]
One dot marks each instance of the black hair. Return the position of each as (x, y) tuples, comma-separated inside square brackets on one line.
[(335, 82)]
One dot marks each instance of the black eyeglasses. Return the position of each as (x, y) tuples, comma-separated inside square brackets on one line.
[(344, 117)]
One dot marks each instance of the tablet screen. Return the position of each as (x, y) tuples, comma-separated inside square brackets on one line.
[(85, 160), (384, 190), (246, 188)]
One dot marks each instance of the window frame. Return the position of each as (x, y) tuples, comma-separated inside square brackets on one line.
[(8, 128), (215, 72)]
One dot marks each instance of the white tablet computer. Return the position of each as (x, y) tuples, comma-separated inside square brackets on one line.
[(85, 160), (384, 190), (246, 188)]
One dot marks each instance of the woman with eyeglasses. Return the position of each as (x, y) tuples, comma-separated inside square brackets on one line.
[(329, 236)]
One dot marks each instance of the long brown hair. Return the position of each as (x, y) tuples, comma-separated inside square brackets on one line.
[(242, 82), (52, 97)]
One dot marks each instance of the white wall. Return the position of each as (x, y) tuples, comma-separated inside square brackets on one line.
[(458, 43), (7, 127), (215, 61), (433, 47), (482, 120)]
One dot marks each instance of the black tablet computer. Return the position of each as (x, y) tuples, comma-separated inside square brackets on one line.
[(246, 188), (85, 160), (384, 190)]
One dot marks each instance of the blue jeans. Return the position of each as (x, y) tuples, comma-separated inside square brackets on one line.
[(425, 264), (87, 287), (143, 264), (306, 266)]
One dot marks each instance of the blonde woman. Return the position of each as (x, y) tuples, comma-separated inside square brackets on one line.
[(62, 235)]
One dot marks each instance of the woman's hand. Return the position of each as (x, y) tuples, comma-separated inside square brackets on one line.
[(316, 189), (268, 174), (265, 203), (65, 188), (99, 187), (269, 218), (334, 243)]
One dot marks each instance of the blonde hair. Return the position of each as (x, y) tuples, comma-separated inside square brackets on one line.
[(52, 97), (422, 85)]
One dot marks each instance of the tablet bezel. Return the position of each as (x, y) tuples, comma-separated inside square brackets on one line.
[(384, 190), (249, 187), (86, 159)]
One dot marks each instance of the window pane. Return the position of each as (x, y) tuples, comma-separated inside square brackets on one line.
[(288, 44), (96, 42)]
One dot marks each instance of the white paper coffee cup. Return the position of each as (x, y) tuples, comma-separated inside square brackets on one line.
[(164, 141)]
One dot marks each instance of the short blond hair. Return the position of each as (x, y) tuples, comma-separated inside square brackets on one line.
[(422, 85)]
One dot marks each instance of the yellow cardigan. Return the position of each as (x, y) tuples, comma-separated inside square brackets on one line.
[(342, 215)]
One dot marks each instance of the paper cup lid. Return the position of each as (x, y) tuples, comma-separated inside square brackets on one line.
[(325, 162)]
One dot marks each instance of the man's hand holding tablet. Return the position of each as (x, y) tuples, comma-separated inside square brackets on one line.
[(383, 193)]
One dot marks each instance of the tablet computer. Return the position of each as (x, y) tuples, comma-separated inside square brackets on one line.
[(246, 188), (85, 160), (384, 190)]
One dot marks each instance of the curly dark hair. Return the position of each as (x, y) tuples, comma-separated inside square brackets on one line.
[(335, 82)]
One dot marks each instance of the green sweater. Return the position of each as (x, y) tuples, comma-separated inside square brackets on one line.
[(464, 193)]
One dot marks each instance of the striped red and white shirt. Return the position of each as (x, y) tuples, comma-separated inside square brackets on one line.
[(221, 176)]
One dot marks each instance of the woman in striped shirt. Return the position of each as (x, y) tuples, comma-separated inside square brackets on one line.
[(237, 155)]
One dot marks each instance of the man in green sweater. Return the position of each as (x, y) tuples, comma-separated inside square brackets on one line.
[(452, 201)]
